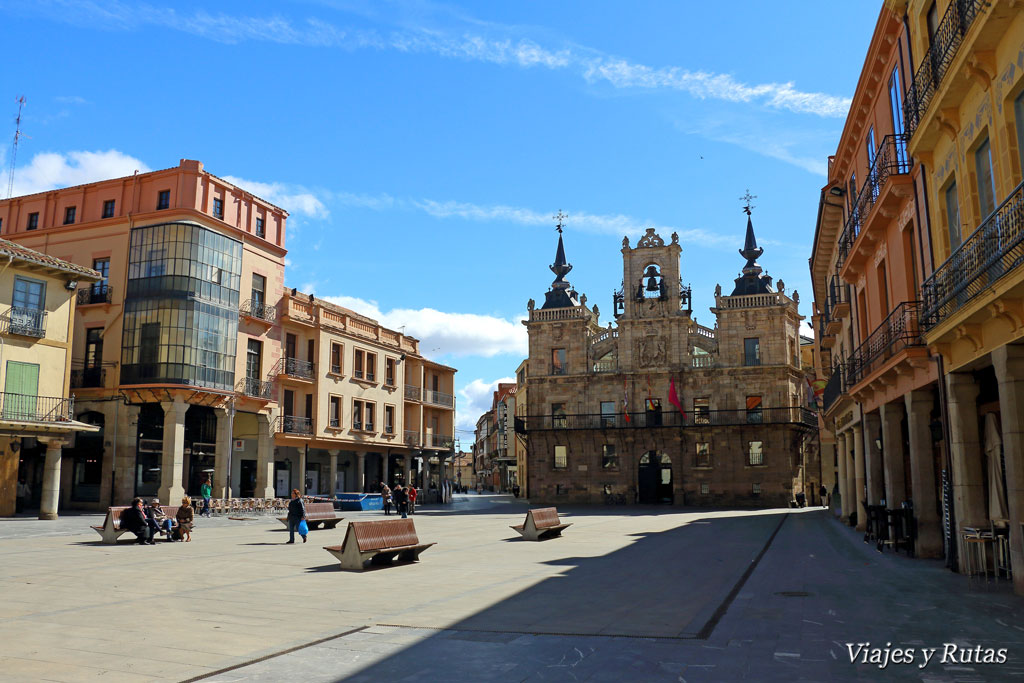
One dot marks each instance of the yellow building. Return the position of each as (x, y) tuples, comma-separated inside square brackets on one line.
[(358, 403), (522, 464), (964, 116), (37, 417)]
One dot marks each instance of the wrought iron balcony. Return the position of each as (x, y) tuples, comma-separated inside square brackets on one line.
[(84, 378), (254, 387), (27, 322), (900, 330), (798, 415), (951, 31), (890, 159), (293, 367), (96, 294), (835, 387), (258, 310), (439, 441), (993, 250), (30, 408), (412, 438), (413, 393), (290, 424), (438, 398)]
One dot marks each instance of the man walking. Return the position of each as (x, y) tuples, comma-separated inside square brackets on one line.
[(401, 500), (411, 494), (206, 491)]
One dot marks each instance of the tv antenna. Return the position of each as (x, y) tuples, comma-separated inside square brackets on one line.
[(14, 148)]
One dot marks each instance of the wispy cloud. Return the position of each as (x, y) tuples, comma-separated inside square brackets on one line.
[(51, 170), (509, 49), (477, 397), (779, 144), (293, 199), (70, 99)]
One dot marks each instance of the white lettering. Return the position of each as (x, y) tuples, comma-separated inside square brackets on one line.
[(927, 652)]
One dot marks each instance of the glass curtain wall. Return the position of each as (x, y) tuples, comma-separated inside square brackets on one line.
[(181, 307)]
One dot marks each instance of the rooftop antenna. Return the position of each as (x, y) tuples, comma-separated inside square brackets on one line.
[(14, 148)]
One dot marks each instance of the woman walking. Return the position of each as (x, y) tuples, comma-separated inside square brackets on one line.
[(385, 494), (296, 513)]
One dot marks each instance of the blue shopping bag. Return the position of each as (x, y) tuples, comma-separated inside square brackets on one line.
[(303, 528)]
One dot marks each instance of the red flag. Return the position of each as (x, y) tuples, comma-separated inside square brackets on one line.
[(673, 397)]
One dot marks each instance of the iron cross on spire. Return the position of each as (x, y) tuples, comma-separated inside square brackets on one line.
[(560, 220), (746, 198)]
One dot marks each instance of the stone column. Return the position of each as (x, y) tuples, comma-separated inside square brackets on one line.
[(172, 463), (51, 479), (222, 456), (844, 498), (875, 480), (407, 464), (965, 449), (922, 474), (1009, 367), (858, 478), (302, 470), (360, 483), (126, 437), (892, 455), (332, 476), (264, 458)]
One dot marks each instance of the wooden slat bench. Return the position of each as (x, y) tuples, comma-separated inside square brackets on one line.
[(317, 514), (541, 523), (111, 529), (378, 542)]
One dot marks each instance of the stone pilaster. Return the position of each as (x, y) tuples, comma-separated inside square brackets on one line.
[(222, 458), (360, 483), (1009, 367), (844, 498), (892, 455), (922, 474), (332, 473), (50, 499), (965, 449), (872, 423), (172, 463), (126, 432), (858, 478), (264, 457)]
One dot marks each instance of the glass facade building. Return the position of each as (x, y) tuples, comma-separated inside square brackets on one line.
[(181, 306)]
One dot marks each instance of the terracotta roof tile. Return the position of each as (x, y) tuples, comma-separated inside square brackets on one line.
[(8, 248)]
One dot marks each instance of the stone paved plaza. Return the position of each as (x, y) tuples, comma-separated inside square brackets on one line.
[(625, 595)]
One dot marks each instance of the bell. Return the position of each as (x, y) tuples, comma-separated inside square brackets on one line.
[(652, 284)]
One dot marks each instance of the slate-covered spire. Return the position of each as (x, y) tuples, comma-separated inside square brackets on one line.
[(751, 279), (560, 295)]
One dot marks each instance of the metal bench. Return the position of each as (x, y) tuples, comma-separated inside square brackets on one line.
[(378, 543), (111, 529), (317, 514), (540, 524)]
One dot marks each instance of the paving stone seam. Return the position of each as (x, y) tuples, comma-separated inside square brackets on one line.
[(631, 636)]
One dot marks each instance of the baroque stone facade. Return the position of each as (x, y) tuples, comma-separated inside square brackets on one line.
[(657, 408)]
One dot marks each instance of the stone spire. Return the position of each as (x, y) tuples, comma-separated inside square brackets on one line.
[(751, 279), (561, 295)]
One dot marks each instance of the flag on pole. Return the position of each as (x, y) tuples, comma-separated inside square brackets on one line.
[(673, 397), (625, 399)]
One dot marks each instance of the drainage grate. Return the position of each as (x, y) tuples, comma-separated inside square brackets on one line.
[(794, 594)]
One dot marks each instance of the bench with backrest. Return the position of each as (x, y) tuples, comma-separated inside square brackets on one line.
[(540, 524), (111, 529), (317, 514), (378, 542)]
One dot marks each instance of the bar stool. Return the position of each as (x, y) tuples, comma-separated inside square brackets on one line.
[(972, 547)]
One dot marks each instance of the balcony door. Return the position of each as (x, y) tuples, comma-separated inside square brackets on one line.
[(27, 306), (91, 375), (289, 346), (253, 362), (259, 288), (22, 390)]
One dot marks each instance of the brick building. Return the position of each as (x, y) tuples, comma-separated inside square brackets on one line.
[(601, 415)]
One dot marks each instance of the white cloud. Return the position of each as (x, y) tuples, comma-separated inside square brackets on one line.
[(475, 400), (590, 64), (51, 170), (291, 199), (70, 99), (604, 224), (443, 333)]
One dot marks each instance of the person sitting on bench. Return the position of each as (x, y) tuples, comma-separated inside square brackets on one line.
[(134, 520), (161, 523)]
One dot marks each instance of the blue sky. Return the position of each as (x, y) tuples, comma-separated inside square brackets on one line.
[(422, 147)]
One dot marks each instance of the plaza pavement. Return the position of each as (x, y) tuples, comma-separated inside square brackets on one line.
[(627, 594)]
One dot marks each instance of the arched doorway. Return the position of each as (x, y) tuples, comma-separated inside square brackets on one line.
[(654, 478)]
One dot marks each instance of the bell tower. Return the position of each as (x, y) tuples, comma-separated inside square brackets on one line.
[(651, 286)]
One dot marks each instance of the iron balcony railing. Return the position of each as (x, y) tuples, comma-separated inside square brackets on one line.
[(838, 293), (30, 408), (96, 294), (412, 438), (27, 322), (438, 398), (85, 378), (254, 308), (798, 415), (898, 331), (950, 33), (890, 159), (293, 367), (290, 424), (255, 387), (439, 441), (413, 393), (834, 388), (993, 250)]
